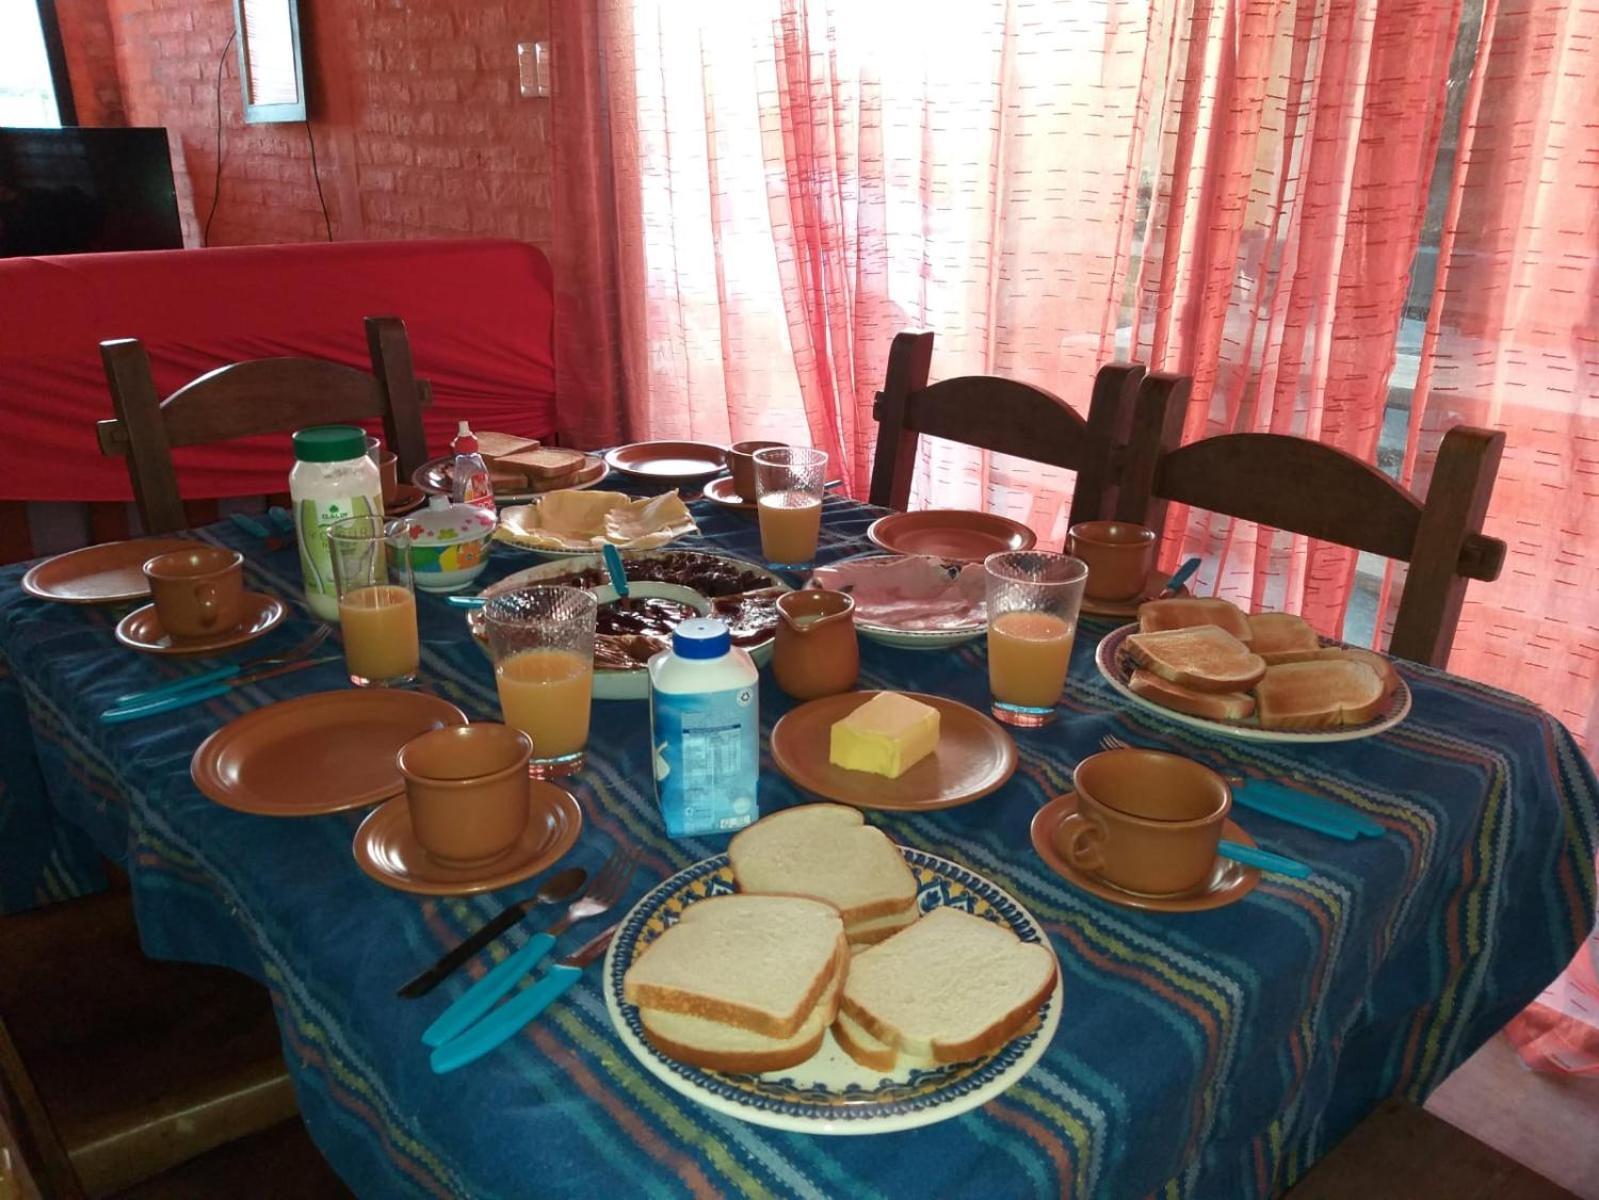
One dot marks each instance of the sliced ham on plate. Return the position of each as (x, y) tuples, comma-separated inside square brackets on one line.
[(909, 592)]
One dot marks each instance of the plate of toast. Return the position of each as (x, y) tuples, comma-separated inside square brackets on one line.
[(777, 983), (1265, 677), (519, 468)]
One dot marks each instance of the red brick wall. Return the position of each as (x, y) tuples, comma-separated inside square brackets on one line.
[(420, 128)]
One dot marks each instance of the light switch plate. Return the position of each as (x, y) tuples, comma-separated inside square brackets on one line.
[(533, 67)]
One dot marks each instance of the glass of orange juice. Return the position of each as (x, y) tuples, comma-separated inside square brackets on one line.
[(789, 481), (542, 640), (377, 602), (1033, 598)]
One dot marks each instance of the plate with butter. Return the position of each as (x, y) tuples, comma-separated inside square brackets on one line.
[(901, 751)]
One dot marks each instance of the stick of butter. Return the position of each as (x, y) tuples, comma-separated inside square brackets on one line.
[(887, 735)]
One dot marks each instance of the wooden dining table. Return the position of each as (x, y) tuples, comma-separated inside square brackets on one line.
[(1214, 1053)]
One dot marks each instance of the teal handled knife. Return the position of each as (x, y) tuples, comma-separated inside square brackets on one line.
[(184, 697), (1264, 859), (503, 1023)]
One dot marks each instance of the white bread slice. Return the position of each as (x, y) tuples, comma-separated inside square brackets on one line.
[(544, 462), (1202, 657), (1282, 637), (1217, 706), (1184, 612), (757, 962), (1377, 662), (497, 445), (828, 852), (872, 1053), (950, 987), (1319, 694), (720, 1047), (874, 929)]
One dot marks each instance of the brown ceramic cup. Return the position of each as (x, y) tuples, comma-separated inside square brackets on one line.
[(389, 473), (741, 462), (1149, 821), (1120, 556), (467, 787), (198, 593)]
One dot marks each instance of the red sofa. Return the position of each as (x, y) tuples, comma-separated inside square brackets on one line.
[(480, 315)]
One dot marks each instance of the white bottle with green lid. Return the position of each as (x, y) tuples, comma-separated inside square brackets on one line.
[(332, 479)]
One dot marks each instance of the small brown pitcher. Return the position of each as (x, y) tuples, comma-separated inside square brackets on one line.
[(816, 653)]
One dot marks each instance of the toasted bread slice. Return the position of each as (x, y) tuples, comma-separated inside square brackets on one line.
[(1203, 657), (545, 462), (759, 963), (1217, 706), (720, 1047), (874, 929), (591, 470), (950, 987), (1377, 662), (1282, 637), (1184, 612), (827, 852), (497, 445), (1319, 694), (502, 480)]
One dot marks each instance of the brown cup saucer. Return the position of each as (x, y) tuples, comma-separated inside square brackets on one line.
[(141, 629), (721, 493), (1229, 883), (386, 847), (1129, 608), (407, 496)]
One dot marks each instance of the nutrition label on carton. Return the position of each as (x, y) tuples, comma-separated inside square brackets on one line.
[(707, 756)]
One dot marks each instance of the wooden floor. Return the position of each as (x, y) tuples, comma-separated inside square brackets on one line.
[(1549, 1123)]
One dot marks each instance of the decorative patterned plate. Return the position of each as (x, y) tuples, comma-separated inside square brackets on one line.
[(909, 639), (830, 1093), (1116, 664)]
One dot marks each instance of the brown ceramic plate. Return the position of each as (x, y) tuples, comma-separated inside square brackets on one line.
[(433, 477), (387, 849), (668, 460), (141, 628), (950, 533), (1129, 608), (974, 757), (112, 573), (720, 492), (407, 496), (316, 754), (1229, 882)]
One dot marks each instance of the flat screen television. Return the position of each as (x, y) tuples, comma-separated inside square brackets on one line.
[(74, 190)]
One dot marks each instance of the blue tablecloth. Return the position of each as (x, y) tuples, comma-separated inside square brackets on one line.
[(1209, 1054)]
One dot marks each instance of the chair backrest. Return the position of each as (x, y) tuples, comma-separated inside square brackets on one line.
[(1312, 489), (1004, 416), (265, 395)]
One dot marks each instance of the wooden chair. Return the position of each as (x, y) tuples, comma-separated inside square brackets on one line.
[(1308, 488), (264, 395), (1004, 416)]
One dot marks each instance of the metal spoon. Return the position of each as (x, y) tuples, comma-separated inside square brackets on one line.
[(556, 888)]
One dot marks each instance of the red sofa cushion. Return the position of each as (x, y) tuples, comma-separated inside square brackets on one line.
[(480, 316)]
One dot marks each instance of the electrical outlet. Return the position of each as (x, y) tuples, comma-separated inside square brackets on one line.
[(533, 67)]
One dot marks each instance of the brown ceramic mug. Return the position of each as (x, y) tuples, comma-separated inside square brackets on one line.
[(741, 462), (1119, 554), (467, 787), (198, 593), (816, 653), (1149, 822), (389, 473)]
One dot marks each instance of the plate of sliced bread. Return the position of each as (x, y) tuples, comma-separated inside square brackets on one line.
[(519, 468), (1260, 676), (821, 979)]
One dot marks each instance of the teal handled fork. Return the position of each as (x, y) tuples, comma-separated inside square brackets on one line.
[(606, 888)]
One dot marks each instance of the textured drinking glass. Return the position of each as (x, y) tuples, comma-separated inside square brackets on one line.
[(1033, 598), (377, 601), (542, 640), (789, 481)]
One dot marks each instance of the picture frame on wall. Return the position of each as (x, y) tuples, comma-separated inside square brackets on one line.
[(271, 68)]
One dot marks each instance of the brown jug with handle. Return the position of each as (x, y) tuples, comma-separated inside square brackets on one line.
[(816, 653)]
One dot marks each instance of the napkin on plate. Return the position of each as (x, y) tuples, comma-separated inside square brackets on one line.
[(586, 520)]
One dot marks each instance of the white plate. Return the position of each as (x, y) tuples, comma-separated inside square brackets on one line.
[(616, 685), (911, 639), (1116, 665), (831, 1093)]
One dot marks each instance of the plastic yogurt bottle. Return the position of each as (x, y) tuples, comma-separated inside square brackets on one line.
[(705, 731), (332, 479)]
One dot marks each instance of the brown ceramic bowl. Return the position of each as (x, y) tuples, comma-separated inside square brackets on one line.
[(741, 462), (1149, 821), (389, 474), (1119, 555), (198, 592), (468, 790)]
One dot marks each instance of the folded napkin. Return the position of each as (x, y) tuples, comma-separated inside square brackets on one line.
[(586, 520)]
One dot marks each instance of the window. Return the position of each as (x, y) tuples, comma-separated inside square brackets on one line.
[(33, 90)]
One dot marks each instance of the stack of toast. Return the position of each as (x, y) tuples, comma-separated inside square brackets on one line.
[(1207, 658), (824, 934), (519, 464)]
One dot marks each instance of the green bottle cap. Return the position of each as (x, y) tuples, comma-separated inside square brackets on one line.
[(329, 443)]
